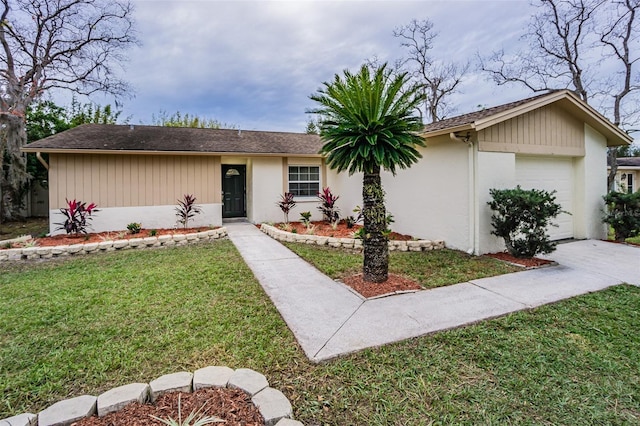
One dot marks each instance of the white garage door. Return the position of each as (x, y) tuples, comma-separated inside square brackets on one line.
[(550, 173)]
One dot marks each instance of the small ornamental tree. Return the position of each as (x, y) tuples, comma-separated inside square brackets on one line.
[(76, 214), (623, 214), (286, 204), (521, 217)]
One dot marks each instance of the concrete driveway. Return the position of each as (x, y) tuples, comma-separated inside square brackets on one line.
[(618, 261)]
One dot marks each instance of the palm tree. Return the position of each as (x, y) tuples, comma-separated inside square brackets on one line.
[(367, 122)]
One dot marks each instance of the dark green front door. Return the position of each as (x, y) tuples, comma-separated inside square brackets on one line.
[(234, 188)]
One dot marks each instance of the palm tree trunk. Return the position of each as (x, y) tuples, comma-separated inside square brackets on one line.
[(376, 248)]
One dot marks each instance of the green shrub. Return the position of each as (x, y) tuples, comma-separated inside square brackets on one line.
[(134, 227), (305, 218), (521, 217), (623, 214)]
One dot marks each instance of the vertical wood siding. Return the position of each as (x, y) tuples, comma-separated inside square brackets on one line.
[(549, 130), (133, 180)]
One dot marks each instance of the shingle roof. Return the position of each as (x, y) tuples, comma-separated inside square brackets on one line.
[(101, 137), (629, 161), (471, 117)]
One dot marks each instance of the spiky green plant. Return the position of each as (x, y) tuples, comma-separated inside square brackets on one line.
[(367, 122), (193, 419)]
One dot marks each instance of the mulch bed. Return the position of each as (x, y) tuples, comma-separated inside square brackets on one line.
[(65, 239), (394, 284), (533, 262), (341, 231), (232, 405)]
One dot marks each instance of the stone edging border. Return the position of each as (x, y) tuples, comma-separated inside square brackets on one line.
[(348, 243), (272, 404), (104, 246)]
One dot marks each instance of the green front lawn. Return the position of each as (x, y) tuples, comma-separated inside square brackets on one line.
[(87, 324), (431, 269)]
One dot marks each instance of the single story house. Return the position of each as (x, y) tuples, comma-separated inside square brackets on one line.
[(136, 173), (628, 174)]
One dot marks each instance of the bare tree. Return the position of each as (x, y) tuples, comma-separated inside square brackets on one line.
[(620, 37), (565, 39), (557, 41), (437, 79), (56, 44)]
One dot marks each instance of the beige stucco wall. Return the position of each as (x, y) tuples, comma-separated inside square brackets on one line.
[(349, 188), (430, 200), (264, 186), (590, 186), (549, 130), (493, 170)]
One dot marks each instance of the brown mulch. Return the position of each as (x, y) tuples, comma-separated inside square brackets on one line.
[(324, 229), (394, 284), (533, 262), (232, 405), (64, 239)]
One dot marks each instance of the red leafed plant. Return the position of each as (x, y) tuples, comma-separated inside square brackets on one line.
[(187, 209), (76, 214), (328, 207), (286, 203)]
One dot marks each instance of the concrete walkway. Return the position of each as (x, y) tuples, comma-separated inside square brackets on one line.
[(330, 320)]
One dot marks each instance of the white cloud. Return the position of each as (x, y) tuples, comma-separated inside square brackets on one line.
[(254, 63)]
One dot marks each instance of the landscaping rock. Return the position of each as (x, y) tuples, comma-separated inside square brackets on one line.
[(150, 241), (75, 248), (105, 245), (26, 419), (30, 252), (136, 242), (273, 405), (181, 381), (248, 380), (208, 377), (44, 251), (91, 247), (117, 398), (65, 412), (165, 239), (322, 241), (179, 237), (120, 244), (59, 250)]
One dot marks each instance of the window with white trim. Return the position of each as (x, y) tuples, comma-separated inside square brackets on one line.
[(630, 188), (304, 181)]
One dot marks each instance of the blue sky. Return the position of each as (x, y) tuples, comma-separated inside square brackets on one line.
[(254, 64)]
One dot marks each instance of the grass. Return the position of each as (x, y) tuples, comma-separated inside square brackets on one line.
[(85, 325), (431, 269), (35, 226)]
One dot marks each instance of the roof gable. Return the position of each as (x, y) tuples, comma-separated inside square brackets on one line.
[(155, 139), (488, 117)]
